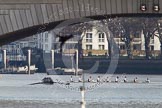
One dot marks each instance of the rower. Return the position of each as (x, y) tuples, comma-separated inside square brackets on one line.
[(108, 79), (117, 79), (80, 79), (136, 80), (98, 79), (71, 79), (125, 79), (147, 80), (90, 79)]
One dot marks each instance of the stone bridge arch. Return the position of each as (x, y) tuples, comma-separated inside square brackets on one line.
[(23, 18)]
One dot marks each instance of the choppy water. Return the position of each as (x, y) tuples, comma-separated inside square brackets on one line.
[(15, 92)]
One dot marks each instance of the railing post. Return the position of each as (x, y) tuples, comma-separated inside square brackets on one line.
[(53, 57), (76, 61), (29, 60), (4, 59)]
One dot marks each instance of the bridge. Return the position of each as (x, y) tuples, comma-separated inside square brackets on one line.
[(24, 18)]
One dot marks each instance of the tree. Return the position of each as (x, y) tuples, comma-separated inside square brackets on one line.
[(126, 35), (149, 27), (112, 25), (159, 35), (81, 30), (122, 28), (77, 30), (129, 27), (104, 26)]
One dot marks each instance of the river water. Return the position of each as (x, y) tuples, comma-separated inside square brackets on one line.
[(16, 92)]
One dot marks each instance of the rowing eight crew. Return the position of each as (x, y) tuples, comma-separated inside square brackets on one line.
[(108, 80)]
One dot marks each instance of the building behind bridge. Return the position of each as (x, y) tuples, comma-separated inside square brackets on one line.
[(94, 43)]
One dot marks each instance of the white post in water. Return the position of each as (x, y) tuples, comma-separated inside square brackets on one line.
[(83, 103), (83, 100), (76, 66), (4, 59), (53, 57), (29, 60)]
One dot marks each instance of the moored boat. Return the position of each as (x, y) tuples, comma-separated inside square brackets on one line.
[(19, 70), (64, 71)]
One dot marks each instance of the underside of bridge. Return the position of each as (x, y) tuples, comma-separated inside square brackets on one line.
[(24, 18)]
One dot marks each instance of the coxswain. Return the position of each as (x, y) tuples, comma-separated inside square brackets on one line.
[(147, 80), (71, 79), (107, 79), (47, 80), (90, 79), (80, 79), (98, 79), (136, 80)]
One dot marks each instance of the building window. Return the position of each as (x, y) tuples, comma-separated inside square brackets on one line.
[(89, 29), (134, 47), (137, 34), (46, 46), (101, 37), (88, 47), (101, 47), (122, 47), (88, 37), (152, 48), (39, 45), (152, 41), (46, 35), (46, 39), (25, 45), (17, 46)]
